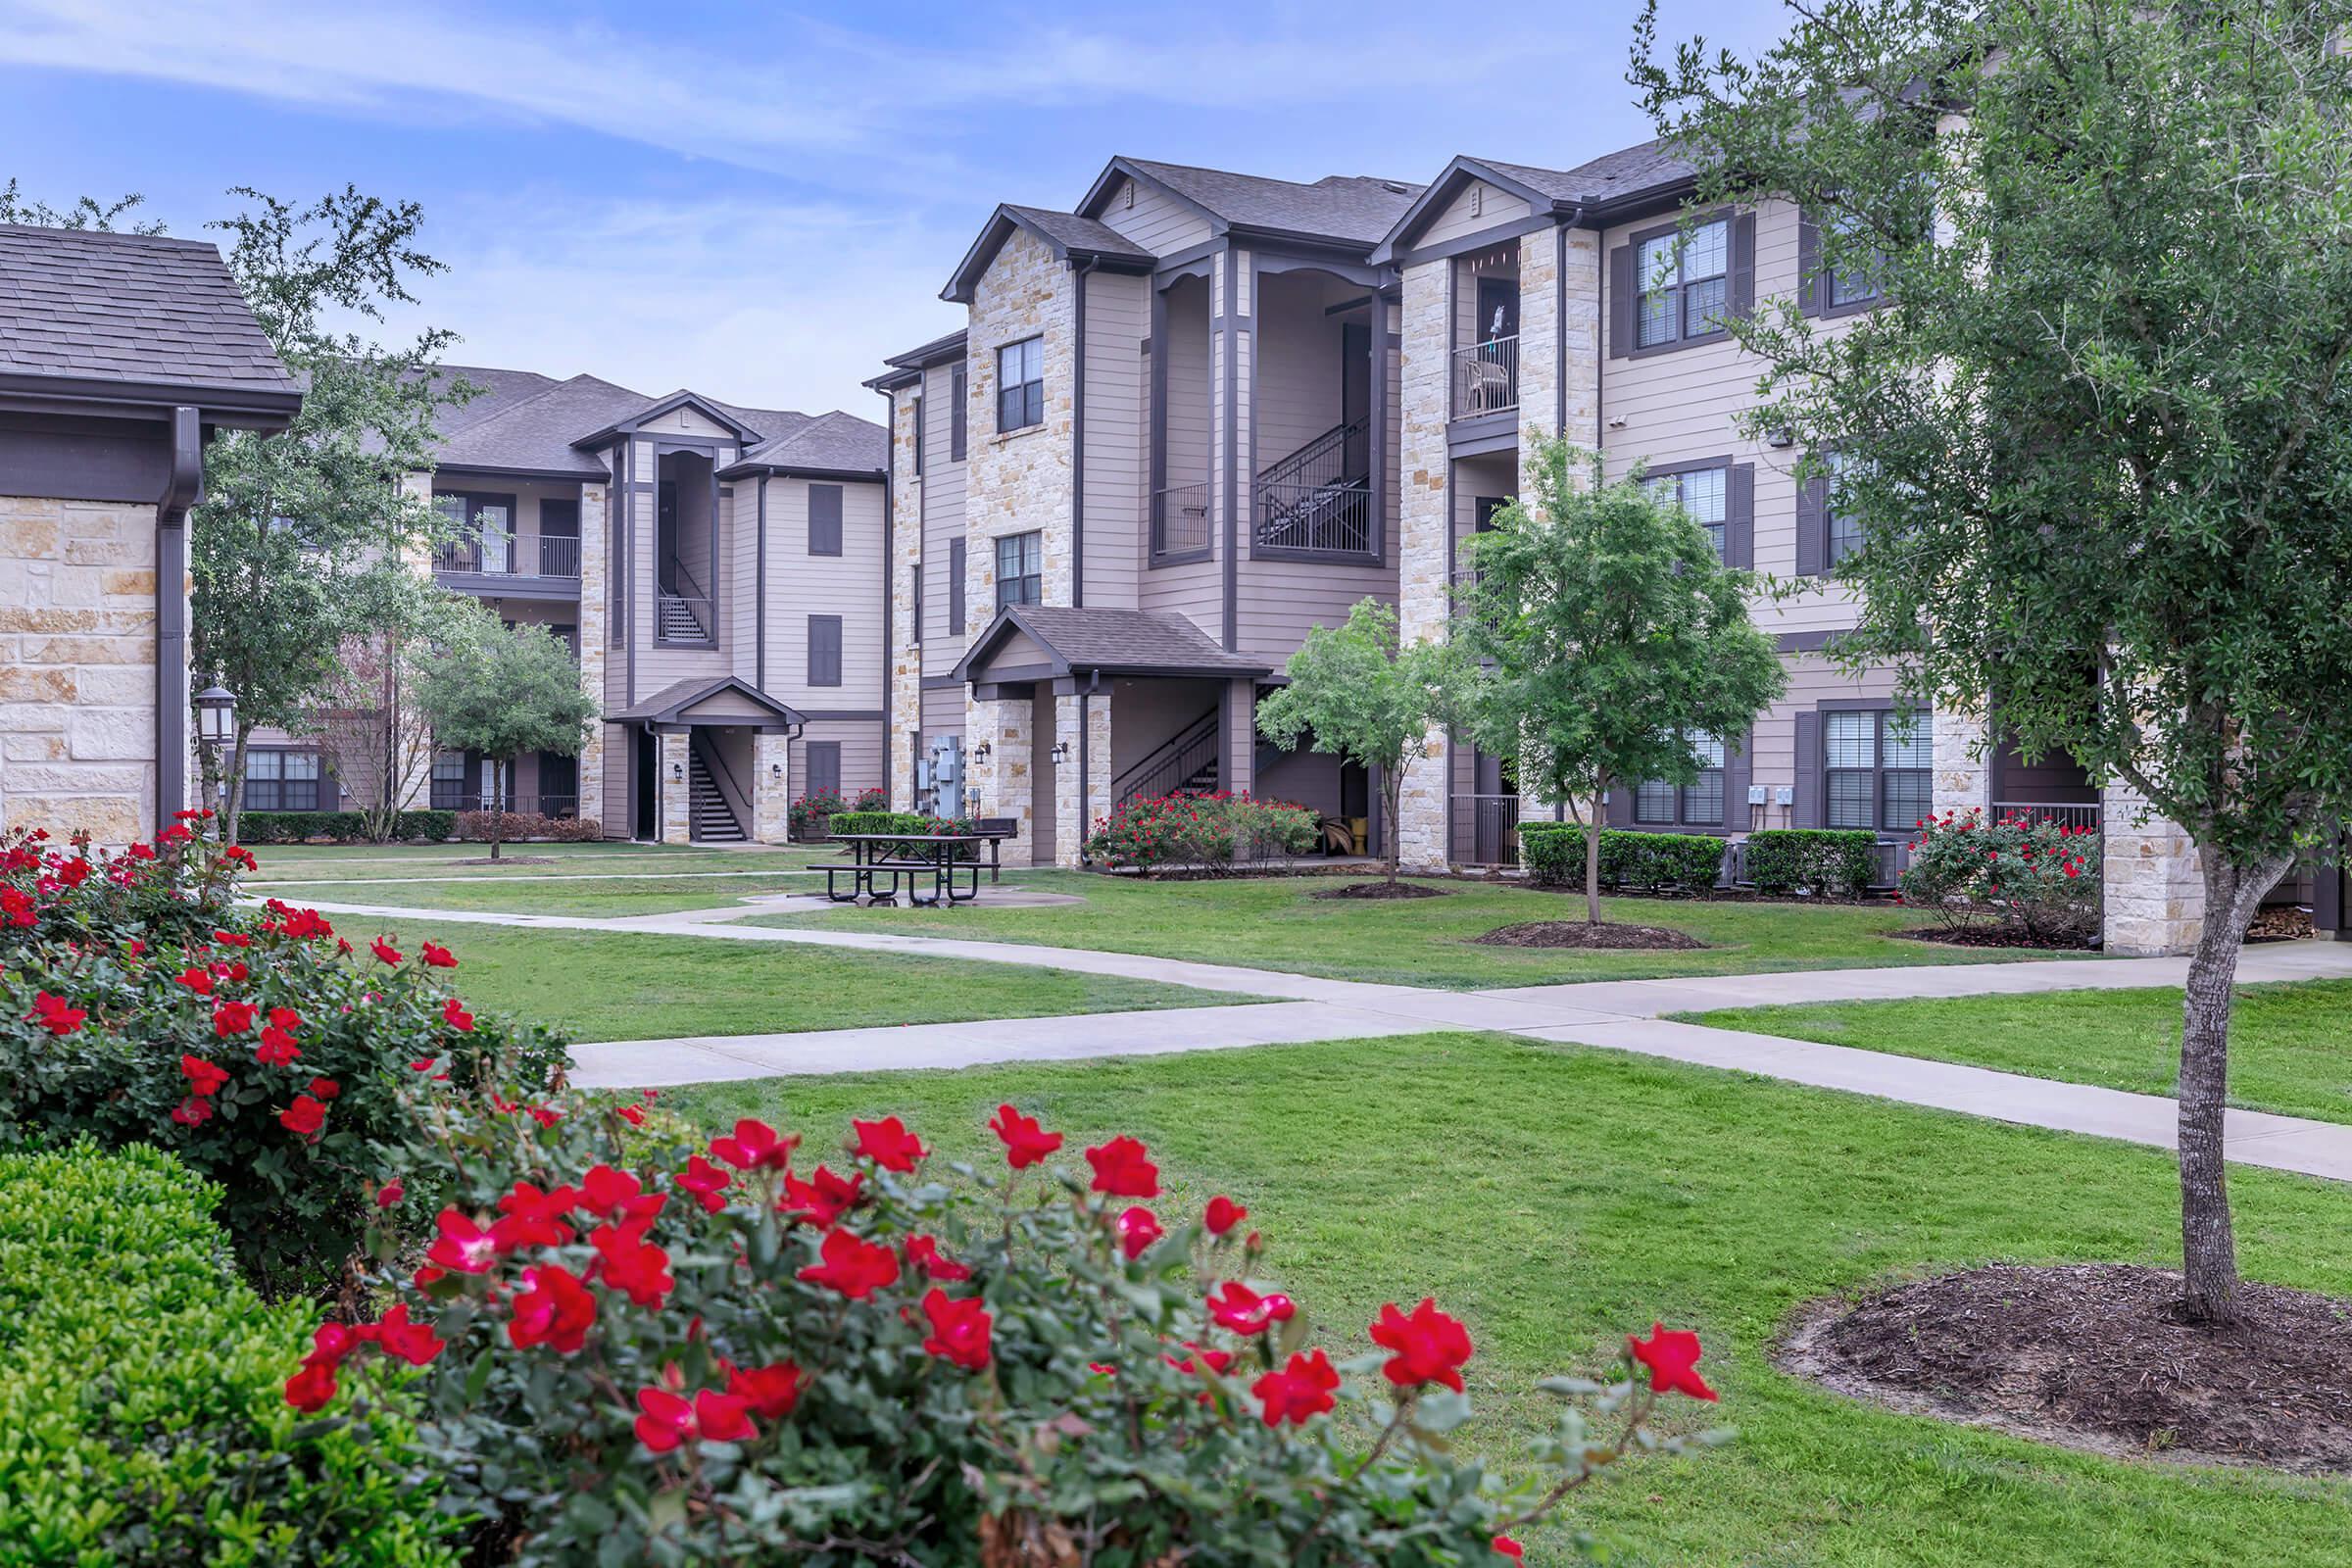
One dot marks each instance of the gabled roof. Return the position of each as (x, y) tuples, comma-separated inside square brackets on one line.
[(834, 443), (716, 413), (1628, 176), (1116, 642), (1067, 235), (126, 311), (497, 391), (949, 346), (535, 434), (672, 704), (1351, 209)]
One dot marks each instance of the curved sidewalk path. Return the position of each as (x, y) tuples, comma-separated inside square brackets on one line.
[(1612, 1014)]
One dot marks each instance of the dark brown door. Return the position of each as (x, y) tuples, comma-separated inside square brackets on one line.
[(1498, 308)]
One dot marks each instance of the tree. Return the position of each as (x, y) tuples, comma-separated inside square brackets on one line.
[(1364, 699), (1608, 635), (307, 538), (369, 728), (501, 692), (2099, 439)]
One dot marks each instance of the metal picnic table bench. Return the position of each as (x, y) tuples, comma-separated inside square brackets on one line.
[(882, 865)]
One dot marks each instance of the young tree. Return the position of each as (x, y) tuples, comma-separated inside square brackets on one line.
[(299, 540), (1607, 635), (2100, 436), (500, 692), (1362, 698), (378, 745)]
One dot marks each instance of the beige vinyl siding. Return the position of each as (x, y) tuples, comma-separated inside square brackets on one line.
[(1118, 437), (861, 755), (943, 712), (1278, 601), (686, 421), (1812, 679), (801, 585), (1298, 371), (1479, 206), (943, 487), (1156, 221), (1195, 395)]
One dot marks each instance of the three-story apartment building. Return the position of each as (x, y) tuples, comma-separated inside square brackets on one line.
[(717, 570)]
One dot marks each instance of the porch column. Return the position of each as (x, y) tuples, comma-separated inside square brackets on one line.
[(2155, 893), (676, 817), (999, 781), (771, 786), (1237, 769), (1963, 775), (1425, 537), (1086, 737)]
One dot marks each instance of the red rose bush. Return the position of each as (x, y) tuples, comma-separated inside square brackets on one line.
[(641, 1346), (2032, 878)]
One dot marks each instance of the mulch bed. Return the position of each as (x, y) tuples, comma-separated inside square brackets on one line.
[(1987, 936), (1582, 934), (2097, 1357), (1382, 890), (506, 860)]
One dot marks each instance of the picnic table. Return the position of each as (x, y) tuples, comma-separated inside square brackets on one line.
[(924, 866)]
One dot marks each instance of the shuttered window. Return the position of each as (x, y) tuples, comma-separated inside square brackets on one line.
[(1878, 769), (958, 390), (821, 766), (919, 438), (956, 587), (1698, 803), (1704, 494), (916, 634), (1684, 282), (281, 781), (825, 520), (824, 649)]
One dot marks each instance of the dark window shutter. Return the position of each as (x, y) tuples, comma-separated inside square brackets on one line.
[(1810, 288), (822, 764), (959, 389), (1620, 813), (1742, 284), (1624, 300), (915, 632), (824, 649), (1740, 516), (919, 436), (1813, 527), (1739, 771), (1808, 769), (825, 520), (956, 587)]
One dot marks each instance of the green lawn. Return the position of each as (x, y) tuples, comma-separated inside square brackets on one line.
[(1556, 1197), (344, 861), (2290, 1046), (1277, 923), (605, 987), (594, 897)]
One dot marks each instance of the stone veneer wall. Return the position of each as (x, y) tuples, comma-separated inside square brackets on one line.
[(771, 787), (595, 580), (77, 667), (2154, 890), (1960, 782), (678, 822), (1015, 482), (1425, 527), (1075, 819), (905, 656)]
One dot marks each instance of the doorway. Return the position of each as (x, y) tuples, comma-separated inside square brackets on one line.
[(645, 781)]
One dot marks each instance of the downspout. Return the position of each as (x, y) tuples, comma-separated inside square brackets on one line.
[(759, 592), (1078, 439), (890, 570), (180, 490)]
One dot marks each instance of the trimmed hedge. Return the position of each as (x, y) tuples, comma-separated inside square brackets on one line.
[(1553, 854), (344, 827), (142, 1413), (525, 827), (840, 823), (1825, 862)]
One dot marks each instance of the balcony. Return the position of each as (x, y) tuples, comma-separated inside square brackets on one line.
[(1180, 521), (1318, 500), (549, 560), (1486, 378)]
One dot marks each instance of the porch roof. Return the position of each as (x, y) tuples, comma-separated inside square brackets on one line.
[(1113, 641), (703, 700)]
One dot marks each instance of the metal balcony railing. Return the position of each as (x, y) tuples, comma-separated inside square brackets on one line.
[(1330, 518), (1486, 830), (2085, 816), (1486, 378), (510, 556), (1180, 519)]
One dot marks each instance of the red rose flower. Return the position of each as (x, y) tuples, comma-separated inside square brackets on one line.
[(389, 1194), (203, 1077), (854, 1268), (55, 1015), (1242, 1309), (822, 1198), (278, 1047), (769, 1390), (705, 1182), (959, 1330), (1430, 1346), (192, 1112), (1123, 1168), (1139, 1228), (923, 1253), (413, 1342), (530, 1217), (1302, 1389), (233, 1018), (1506, 1547), (462, 1246), (1025, 1142), (1201, 1361), (756, 1145), (554, 1309), (385, 952), (439, 957), (304, 1118), (1671, 1356), (629, 1264), (453, 1014), (310, 1388), (1224, 1215), (324, 1089), (667, 1420), (606, 1192), (888, 1144)]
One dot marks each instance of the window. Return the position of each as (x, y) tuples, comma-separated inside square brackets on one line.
[(479, 531), (1878, 769), (825, 520), (448, 782), (1021, 568), (1685, 281), (1854, 287), (1844, 529), (1704, 493), (915, 632), (956, 587), (1021, 384), (1698, 803), (281, 781), (821, 762), (958, 390), (824, 649), (919, 438)]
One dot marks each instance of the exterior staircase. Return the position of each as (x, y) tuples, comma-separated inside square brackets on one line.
[(1186, 763), (678, 620), (710, 819)]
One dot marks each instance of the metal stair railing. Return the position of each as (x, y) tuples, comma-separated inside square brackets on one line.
[(1168, 765)]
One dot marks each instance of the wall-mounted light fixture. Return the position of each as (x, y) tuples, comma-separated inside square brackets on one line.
[(1061, 752), (677, 771), (1783, 437), (981, 750), (776, 770)]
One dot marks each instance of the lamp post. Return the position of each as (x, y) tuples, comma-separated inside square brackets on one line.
[(215, 730)]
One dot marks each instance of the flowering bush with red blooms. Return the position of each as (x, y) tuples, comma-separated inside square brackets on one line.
[(140, 1003), (2035, 877), (645, 1347), (1202, 835)]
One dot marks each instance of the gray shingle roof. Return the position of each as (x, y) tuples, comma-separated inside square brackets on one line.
[(1082, 234), (130, 307), (833, 442), (537, 431), (500, 391), (1623, 172), (1137, 640), (943, 346), (1349, 207)]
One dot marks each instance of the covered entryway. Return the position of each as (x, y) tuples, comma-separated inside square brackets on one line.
[(713, 763)]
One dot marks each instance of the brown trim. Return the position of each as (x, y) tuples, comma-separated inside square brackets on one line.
[(1633, 348), (246, 408)]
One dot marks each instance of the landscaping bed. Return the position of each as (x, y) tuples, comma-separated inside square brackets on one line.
[(2098, 1356), (1381, 890), (1997, 936), (1607, 934)]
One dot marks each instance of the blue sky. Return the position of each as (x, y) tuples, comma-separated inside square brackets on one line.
[(760, 203)]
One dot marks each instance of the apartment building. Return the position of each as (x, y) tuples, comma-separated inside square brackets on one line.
[(717, 569), (1202, 412)]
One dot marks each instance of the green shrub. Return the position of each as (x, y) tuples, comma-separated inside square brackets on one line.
[(2027, 874), (840, 823), (294, 827), (252, 1042), (523, 827), (1553, 854), (142, 1414), (1824, 862), (1203, 835), (434, 828)]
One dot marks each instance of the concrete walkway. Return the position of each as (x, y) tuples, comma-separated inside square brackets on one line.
[(1610, 1014)]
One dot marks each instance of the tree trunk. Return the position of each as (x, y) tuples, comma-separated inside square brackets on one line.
[(498, 807), (1391, 796), (1592, 871), (232, 805), (2208, 1247)]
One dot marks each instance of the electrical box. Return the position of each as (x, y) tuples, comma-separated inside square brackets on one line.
[(946, 769), (1784, 795), (1756, 795)]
